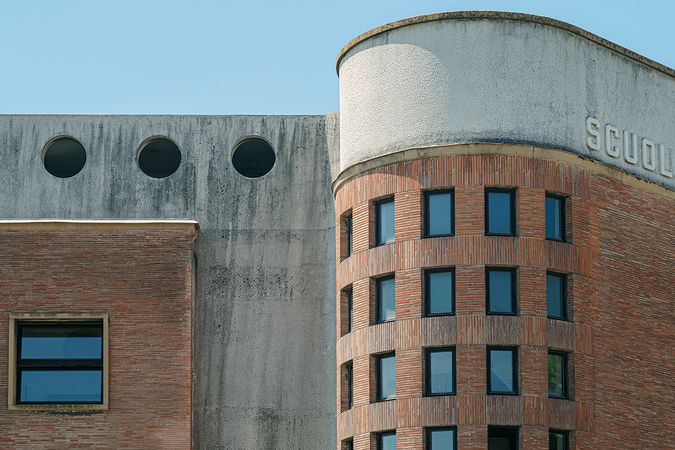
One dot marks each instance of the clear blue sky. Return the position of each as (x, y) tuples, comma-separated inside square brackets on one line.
[(238, 57)]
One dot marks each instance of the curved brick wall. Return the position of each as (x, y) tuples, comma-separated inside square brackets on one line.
[(612, 270)]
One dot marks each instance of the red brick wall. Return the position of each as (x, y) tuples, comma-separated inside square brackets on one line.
[(143, 280), (620, 269)]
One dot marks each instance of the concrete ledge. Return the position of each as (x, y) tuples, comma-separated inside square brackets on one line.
[(62, 225)]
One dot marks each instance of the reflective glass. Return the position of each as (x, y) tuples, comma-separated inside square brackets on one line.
[(556, 375), (387, 377), (60, 386), (386, 300), (388, 441), (441, 372), (557, 440), (440, 293), (442, 439), (439, 213), (555, 225), (501, 371), (500, 292), (385, 222), (555, 296), (499, 213), (61, 342)]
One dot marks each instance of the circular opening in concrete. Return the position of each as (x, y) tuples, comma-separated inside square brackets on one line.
[(64, 157), (253, 157), (159, 157)]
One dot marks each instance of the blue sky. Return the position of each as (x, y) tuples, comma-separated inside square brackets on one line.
[(238, 57)]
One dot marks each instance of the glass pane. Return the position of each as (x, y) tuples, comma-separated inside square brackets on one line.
[(555, 375), (61, 342), (350, 311), (387, 381), (500, 443), (386, 300), (501, 371), (385, 222), (441, 440), (441, 372), (439, 214), (554, 296), (554, 218), (388, 442), (500, 290), (556, 441), (64, 386), (440, 292), (502, 438), (348, 234), (499, 213)]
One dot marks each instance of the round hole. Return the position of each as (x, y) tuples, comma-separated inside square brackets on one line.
[(64, 157), (159, 158), (253, 157)]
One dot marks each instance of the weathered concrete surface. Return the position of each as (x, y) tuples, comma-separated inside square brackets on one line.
[(264, 305), (498, 78)]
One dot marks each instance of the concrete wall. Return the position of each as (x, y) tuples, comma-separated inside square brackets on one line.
[(500, 78), (265, 270)]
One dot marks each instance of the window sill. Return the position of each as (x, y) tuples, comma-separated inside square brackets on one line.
[(441, 394), (512, 394), (58, 408)]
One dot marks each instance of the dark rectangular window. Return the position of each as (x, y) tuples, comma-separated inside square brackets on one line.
[(348, 444), (557, 374), (502, 364), (440, 371), (438, 213), (500, 212), (386, 440), (386, 299), (556, 296), (503, 438), (347, 224), (441, 438), (386, 377), (500, 289), (555, 218), (59, 362), (349, 298), (384, 221), (349, 385), (558, 440), (439, 292)]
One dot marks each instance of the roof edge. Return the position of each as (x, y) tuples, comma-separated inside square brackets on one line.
[(503, 15), (106, 224)]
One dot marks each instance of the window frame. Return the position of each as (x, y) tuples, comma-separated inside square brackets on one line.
[(378, 376), (565, 434), (512, 429), (565, 315), (563, 217), (380, 438), (377, 205), (512, 210), (514, 368), (378, 302), (565, 374), (427, 291), (429, 430), (18, 319), (514, 290), (427, 194), (427, 371)]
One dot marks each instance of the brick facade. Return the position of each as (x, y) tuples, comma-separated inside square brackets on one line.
[(618, 261), (142, 278)]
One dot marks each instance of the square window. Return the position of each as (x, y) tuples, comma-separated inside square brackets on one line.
[(502, 364), (438, 213), (347, 235), (503, 438), (386, 299), (386, 377), (440, 371), (439, 292), (557, 374), (60, 359), (501, 291), (441, 438), (558, 440), (556, 296), (500, 212), (386, 440), (555, 218), (384, 221)]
